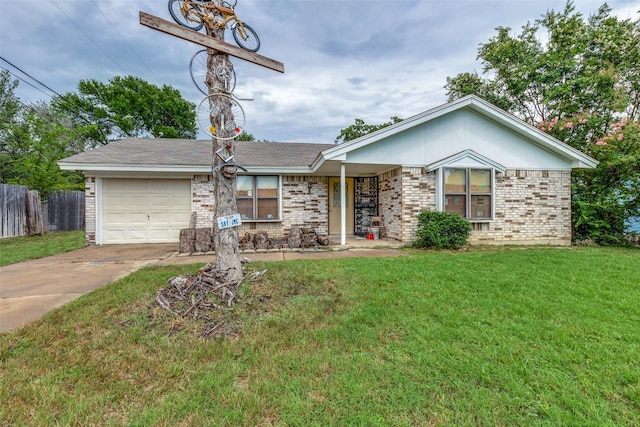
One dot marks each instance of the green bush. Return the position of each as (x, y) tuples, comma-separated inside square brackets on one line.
[(441, 230)]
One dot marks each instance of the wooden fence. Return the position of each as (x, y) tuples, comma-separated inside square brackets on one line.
[(23, 214), (64, 211)]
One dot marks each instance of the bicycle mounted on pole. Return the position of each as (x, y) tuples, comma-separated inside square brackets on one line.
[(194, 14)]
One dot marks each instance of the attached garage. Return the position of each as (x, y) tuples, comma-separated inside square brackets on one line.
[(144, 210)]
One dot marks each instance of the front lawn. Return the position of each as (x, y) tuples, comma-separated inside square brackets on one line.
[(17, 249), (544, 336)]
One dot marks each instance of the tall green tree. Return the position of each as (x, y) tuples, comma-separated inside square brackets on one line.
[(577, 79), (36, 141), (127, 107), (361, 128), (9, 108), (32, 140)]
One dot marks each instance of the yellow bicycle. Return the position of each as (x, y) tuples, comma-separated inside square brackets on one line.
[(194, 14)]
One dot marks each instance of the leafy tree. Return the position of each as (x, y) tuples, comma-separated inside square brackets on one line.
[(9, 109), (245, 136), (577, 79), (360, 128), (37, 141), (127, 107)]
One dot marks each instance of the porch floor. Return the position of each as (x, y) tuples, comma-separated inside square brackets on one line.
[(354, 241)]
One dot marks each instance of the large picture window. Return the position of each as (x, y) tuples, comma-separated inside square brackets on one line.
[(468, 192), (257, 197)]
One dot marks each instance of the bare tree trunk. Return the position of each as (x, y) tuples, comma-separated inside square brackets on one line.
[(225, 241)]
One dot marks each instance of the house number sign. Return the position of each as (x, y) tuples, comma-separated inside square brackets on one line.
[(229, 221)]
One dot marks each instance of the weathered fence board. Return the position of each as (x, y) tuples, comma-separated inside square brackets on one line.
[(13, 210), (64, 211), (35, 223), (22, 213)]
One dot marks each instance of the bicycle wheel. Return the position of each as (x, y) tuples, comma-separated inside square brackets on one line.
[(198, 69), (221, 116), (183, 14), (247, 39)]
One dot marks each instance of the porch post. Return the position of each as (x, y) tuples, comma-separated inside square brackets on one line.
[(343, 205)]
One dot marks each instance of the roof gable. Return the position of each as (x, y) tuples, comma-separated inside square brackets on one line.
[(467, 158), (474, 106)]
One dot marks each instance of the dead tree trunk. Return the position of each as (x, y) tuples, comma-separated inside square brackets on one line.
[(225, 241)]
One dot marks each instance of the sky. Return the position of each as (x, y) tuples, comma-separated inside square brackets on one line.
[(343, 60)]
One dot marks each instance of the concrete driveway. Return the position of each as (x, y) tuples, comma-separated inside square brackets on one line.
[(31, 288)]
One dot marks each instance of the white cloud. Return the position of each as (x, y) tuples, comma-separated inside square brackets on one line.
[(343, 59)]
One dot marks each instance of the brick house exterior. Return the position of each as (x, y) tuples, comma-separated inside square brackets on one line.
[(512, 181)]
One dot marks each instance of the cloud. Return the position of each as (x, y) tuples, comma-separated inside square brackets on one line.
[(343, 59)]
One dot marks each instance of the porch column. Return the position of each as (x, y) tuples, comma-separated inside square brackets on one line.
[(343, 205)]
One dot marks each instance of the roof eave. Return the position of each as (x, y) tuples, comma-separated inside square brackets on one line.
[(112, 167), (199, 169), (289, 170)]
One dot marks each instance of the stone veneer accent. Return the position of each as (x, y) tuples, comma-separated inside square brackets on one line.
[(90, 210)]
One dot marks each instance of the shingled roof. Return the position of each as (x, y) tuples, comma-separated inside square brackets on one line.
[(189, 152)]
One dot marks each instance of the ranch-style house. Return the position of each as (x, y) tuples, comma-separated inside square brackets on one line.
[(509, 179)]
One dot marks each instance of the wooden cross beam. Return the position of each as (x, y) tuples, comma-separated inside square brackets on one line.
[(206, 41)]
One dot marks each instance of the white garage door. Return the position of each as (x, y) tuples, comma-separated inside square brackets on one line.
[(144, 210)]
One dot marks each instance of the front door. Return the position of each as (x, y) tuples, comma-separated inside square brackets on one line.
[(334, 205)]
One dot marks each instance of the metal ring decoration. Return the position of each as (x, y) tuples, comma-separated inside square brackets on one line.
[(198, 70), (221, 116)]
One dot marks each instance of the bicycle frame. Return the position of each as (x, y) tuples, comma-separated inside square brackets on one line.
[(207, 12)]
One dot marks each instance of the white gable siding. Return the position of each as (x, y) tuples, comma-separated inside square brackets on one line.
[(458, 131)]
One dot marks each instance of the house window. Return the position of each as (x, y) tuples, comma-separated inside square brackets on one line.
[(468, 192), (257, 197)]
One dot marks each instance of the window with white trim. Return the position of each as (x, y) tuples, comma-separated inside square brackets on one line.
[(258, 197), (468, 192)]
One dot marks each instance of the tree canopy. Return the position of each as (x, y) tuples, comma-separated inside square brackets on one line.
[(128, 107), (577, 79), (9, 109), (33, 138), (360, 128)]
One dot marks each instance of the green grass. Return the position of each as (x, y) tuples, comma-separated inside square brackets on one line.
[(17, 249), (536, 337)]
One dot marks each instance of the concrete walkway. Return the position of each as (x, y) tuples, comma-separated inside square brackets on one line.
[(30, 289)]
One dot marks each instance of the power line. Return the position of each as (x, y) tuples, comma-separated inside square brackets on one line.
[(24, 81), (88, 36), (61, 98), (107, 54), (125, 41), (29, 75)]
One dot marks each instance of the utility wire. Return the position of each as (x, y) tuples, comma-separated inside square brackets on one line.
[(176, 121), (28, 75), (88, 36), (24, 81), (125, 41), (57, 96), (60, 97)]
